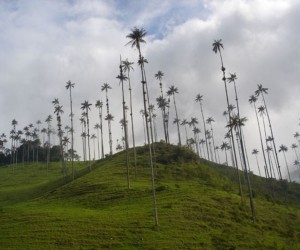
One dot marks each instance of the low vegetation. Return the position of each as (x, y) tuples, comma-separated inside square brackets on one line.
[(198, 206)]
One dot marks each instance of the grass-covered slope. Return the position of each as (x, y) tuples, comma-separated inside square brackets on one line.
[(198, 207)]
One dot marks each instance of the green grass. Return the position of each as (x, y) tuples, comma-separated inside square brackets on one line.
[(198, 207)]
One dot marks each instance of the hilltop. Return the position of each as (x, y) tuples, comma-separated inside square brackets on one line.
[(198, 206)]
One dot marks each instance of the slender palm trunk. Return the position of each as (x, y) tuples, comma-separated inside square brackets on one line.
[(177, 121), (273, 141), (258, 165), (261, 143), (72, 135), (132, 127), (287, 167), (98, 143), (163, 110), (125, 129), (206, 141), (148, 138), (231, 135), (88, 135)]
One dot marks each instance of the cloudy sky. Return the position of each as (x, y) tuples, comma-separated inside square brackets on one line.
[(44, 43)]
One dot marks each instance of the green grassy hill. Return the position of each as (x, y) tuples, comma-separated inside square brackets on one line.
[(198, 207)]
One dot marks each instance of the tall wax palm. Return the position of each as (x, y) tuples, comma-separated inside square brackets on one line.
[(144, 126), (159, 75), (99, 105), (154, 115), (224, 146), (171, 92), (209, 121), (262, 91), (48, 121), (184, 122), (123, 78), (255, 152), (297, 165), (109, 118), (283, 149), (261, 110), (136, 38), (83, 135), (58, 111), (199, 98), (217, 46), (294, 146), (105, 87), (86, 107), (253, 100), (38, 122), (127, 66), (94, 137), (236, 123), (97, 127), (162, 104), (69, 86), (193, 123)]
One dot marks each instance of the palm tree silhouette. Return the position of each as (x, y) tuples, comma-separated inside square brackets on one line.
[(217, 46), (86, 107), (253, 100), (105, 87), (171, 92), (94, 137), (127, 66), (97, 127), (159, 76), (69, 86), (137, 37), (199, 98), (209, 121), (184, 122), (58, 111), (99, 105), (236, 123), (224, 146), (283, 149), (48, 121), (261, 91), (193, 123), (255, 152), (162, 104), (123, 78)]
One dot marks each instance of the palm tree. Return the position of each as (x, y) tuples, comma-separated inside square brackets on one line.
[(209, 121), (217, 46), (255, 152), (199, 98), (99, 105), (69, 86), (297, 164), (97, 127), (86, 107), (159, 76), (58, 111), (283, 148), (48, 121), (109, 118), (184, 123), (123, 78), (105, 87), (144, 126), (83, 134), (94, 137), (127, 66), (193, 123), (136, 38), (252, 100), (171, 92), (224, 146), (236, 123), (261, 91), (162, 104)]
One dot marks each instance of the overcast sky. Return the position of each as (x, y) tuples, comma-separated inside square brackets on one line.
[(43, 44)]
